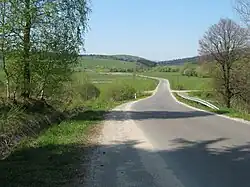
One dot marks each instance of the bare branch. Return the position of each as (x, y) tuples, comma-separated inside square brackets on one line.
[(243, 9)]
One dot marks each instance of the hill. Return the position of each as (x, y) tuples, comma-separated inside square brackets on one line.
[(91, 62), (142, 62), (180, 61), (191, 60)]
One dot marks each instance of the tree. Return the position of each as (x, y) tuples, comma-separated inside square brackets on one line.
[(4, 31), (241, 83), (45, 37), (226, 41), (243, 9)]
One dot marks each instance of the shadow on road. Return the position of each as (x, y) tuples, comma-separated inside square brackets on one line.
[(193, 162), (139, 115)]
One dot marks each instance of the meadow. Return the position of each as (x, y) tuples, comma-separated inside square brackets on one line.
[(140, 83), (180, 82)]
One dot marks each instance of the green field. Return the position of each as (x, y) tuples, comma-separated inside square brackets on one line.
[(102, 64), (140, 83), (102, 76), (180, 82), (105, 81)]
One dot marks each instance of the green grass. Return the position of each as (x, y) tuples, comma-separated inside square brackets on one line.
[(56, 156), (222, 110), (209, 96), (180, 82), (140, 83), (95, 76), (102, 64), (235, 114), (202, 94)]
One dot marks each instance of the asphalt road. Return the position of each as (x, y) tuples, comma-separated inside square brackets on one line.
[(160, 142)]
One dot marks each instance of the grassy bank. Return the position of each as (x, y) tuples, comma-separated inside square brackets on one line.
[(222, 110), (180, 82), (56, 157)]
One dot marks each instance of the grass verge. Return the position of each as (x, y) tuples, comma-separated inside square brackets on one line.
[(57, 157), (225, 111)]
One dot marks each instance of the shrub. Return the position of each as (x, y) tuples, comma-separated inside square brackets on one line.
[(121, 91), (88, 91), (190, 72)]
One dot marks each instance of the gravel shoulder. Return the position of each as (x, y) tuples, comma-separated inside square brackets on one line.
[(125, 157)]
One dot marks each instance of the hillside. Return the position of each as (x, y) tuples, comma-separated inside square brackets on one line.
[(88, 62), (192, 60), (180, 61), (125, 58)]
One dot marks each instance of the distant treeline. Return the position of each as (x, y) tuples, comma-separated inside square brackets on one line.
[(127, 58), (180, 61), (192, 60), (127, 70)]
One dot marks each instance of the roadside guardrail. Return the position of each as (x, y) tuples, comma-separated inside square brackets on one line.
[(198, 100)]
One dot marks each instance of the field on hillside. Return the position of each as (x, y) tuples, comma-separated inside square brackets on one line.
[(180, 82), (102, 64)]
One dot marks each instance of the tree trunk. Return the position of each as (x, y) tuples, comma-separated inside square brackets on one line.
[(228, 90), (228, 102), (7, 76), (3, 51), (26, 52), (226, 81)]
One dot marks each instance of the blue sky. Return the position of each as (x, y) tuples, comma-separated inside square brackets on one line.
[(154, 29)]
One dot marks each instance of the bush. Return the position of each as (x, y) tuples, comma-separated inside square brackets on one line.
[(75, 93), (190, 72), (121, 92), (88, 91)]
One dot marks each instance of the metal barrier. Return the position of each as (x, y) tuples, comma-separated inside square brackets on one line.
[(195, 99)]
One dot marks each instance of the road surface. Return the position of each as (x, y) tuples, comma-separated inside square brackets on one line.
[(160, 142)]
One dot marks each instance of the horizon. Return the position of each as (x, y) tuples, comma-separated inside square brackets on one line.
[(155, 31), (140, 56)]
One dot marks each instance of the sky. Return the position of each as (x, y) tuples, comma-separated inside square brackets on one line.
[(153, 29)]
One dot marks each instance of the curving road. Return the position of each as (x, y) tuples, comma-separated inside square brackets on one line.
[(160, 142)]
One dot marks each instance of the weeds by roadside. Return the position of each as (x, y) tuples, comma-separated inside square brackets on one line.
[(223, 110)]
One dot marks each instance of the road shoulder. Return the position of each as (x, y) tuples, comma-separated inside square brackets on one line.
[(125, 154)]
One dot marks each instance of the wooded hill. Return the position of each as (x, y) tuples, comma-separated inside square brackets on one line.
[(127, 58), (180, 61)]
